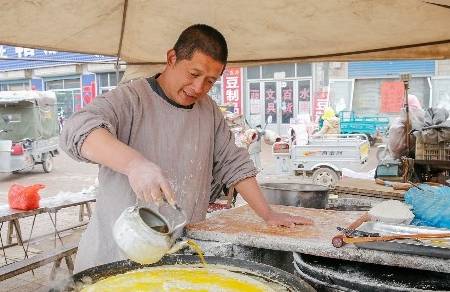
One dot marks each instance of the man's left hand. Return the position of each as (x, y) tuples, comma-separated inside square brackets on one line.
[(287, 220)]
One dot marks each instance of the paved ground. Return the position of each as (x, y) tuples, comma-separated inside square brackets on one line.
[(70, 176), (67, 176)]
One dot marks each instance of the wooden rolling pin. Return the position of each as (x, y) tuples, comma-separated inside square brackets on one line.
[(394, 185), (338, 239), (392, 237)]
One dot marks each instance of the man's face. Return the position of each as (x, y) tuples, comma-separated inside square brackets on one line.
[(191, 79)]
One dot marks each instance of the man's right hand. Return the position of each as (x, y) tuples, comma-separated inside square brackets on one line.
[(146, 178), (148, 182)]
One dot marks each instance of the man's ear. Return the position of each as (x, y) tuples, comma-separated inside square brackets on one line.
[(171, 57)]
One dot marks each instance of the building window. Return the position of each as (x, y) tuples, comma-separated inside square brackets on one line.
[(15, 86), (68, 94), (254, 72), (107, 81), (386, 95), (441, 92), (304, 70), (268, 71)]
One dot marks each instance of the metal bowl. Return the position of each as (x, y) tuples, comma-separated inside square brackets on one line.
[(295, 194)]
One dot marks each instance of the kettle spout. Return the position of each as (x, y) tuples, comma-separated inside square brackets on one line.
[(177, 246)]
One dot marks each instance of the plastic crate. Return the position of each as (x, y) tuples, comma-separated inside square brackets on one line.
[(439, 151)]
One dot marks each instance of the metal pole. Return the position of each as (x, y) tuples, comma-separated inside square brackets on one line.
[(406, 78), (117, 66)]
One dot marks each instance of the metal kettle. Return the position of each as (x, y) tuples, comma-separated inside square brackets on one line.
[(144, 235)]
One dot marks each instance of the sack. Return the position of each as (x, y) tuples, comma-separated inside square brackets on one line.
[(397, 139), (435, 128), (430, 205), (24, 198)]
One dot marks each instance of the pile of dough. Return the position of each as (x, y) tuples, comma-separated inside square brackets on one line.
[(391, 211)]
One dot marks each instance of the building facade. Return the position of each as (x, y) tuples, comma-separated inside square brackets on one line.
[(270, 95), (75, 78)]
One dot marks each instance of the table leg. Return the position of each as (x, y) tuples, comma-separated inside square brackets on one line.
[(56, 229), (18, 231), (9, 233), (69, 263), (89, 211), (81, 214), (55, 267), (1, 241), (31, 233)]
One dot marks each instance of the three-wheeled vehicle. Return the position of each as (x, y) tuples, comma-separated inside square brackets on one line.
[(322, 157), (28, 130), (373, 126)]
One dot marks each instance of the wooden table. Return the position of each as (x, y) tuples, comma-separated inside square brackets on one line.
[(48, 205), (241, 226)]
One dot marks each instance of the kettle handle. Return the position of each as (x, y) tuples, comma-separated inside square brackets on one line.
[(178, 208)]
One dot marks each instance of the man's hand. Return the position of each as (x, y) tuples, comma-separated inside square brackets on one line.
[(148, 182), (250, 191), (283, 219), (146, 178)]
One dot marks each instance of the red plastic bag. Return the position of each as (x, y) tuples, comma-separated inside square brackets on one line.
[(24, 198)]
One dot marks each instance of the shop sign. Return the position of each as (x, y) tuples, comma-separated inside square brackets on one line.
[(89, 88), (270, 102), (320, 102), (392, 93), (255, 101), (232, 88), (287, 102), (304, 96)]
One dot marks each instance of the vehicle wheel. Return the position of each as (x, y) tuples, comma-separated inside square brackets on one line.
[(47, 162), (325, 176)]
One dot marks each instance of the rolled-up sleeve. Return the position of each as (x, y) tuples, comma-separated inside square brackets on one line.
[(232, 164), (106, 111)]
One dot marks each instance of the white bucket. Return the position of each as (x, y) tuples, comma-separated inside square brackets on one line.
[(5, 145)]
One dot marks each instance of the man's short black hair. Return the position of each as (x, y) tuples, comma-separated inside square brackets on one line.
[(203, 38)]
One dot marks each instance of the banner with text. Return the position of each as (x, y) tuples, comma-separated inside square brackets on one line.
[(232, 85)]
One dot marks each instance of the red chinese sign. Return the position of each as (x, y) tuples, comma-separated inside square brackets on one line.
[(392, 96), (89, 93), (320, 102), (232, 88)]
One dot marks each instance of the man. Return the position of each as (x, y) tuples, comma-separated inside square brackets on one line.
[(162, 136)]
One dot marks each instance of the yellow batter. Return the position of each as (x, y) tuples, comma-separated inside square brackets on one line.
[(177, 278)]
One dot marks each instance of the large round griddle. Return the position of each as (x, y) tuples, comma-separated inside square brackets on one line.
[(265, 272)]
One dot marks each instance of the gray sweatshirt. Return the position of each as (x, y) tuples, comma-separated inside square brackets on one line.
[(190, 145)]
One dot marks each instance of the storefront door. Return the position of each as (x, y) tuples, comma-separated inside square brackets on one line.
[(279, 108), (277, 103)]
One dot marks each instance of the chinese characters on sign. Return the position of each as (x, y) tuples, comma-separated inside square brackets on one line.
[(255, 99), (320, 102), (304, 96), (304, 88), (391, 96), (271, 102), (332, 153), (89, 88), (287, 102), (232, 88)]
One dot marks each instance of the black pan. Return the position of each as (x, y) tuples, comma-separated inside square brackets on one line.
[(269, 273)]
